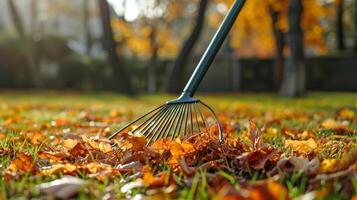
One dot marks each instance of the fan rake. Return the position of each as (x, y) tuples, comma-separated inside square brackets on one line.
[(184, 116), (175, 118)]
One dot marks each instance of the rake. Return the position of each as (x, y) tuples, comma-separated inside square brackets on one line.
[(185, 115)]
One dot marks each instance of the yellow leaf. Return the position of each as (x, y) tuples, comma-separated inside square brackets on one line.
[(346, 113), (101, 146), (327, 165), (329, 124), (302, 146), (69, 144)]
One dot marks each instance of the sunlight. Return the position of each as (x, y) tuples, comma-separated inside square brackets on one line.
[(130, 9)]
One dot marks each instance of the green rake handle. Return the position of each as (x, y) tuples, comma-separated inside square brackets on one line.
[(212, 50)]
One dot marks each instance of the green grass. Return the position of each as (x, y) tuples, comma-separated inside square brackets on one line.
[(43, 107)]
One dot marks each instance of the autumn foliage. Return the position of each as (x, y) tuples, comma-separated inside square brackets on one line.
[(261, 158)]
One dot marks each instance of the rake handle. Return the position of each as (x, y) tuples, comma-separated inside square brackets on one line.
[(212, 49)]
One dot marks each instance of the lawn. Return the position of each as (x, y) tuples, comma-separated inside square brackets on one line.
[(54, 145)]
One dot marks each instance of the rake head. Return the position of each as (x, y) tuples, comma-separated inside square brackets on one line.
[(176, 118)]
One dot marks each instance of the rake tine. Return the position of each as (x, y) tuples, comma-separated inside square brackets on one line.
[(168, 123), (203, 119), (160, 127), (198, 124), (190, 112), (133, 122), (186, 119), (175, 119), (220, 136), (151, 119), (180, 121), (151, 129)]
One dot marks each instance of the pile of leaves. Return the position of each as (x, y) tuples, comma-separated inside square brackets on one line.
[(261, 157)]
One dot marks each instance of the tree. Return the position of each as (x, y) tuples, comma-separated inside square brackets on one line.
[(16, 20), (294, 72), (176, 72), (279, 43), (86, 25), (355, 24), (154, 46), (120, 75), (340, 32), (29, 43)]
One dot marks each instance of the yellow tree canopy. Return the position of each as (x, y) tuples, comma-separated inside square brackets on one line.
[(252, 34)]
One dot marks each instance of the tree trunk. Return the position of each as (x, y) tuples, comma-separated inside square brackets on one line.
[(33, 58), (294, 72), (340, 32), (120, 76), (355, 25), (279, 43), (28, 42), (17, 20), (152, 78), (176, 72), (87, 31)]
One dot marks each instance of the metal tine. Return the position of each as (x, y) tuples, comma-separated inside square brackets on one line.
[(220, 136), (182, 115), (198, 124), (175, 119), (159, 126), (203, 119), (153, 130), (133, 122), (186, 119), (148, 121), (167, 123), (159, 121), (190, 112)]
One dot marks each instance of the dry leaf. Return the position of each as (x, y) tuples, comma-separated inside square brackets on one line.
[(254, 134), (329, 124), (301, 146), (100, 146)]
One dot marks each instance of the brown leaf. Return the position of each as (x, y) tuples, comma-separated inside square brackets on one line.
[(137, 141), (293, 163), (256, 159), (78, 150), (254, 134), (22, 163), (52, 156)]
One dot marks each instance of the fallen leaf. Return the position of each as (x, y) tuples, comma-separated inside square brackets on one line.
[(293, 163), (69, 143), (23, 163), (137, 141), (301, 146), (100, 146), (328, 165), (346, 113), (329, 124), (254, 134), (78, 150)]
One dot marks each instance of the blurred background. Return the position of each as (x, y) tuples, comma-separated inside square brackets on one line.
[(149, 46)]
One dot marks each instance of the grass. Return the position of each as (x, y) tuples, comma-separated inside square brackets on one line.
[(45, 107)]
